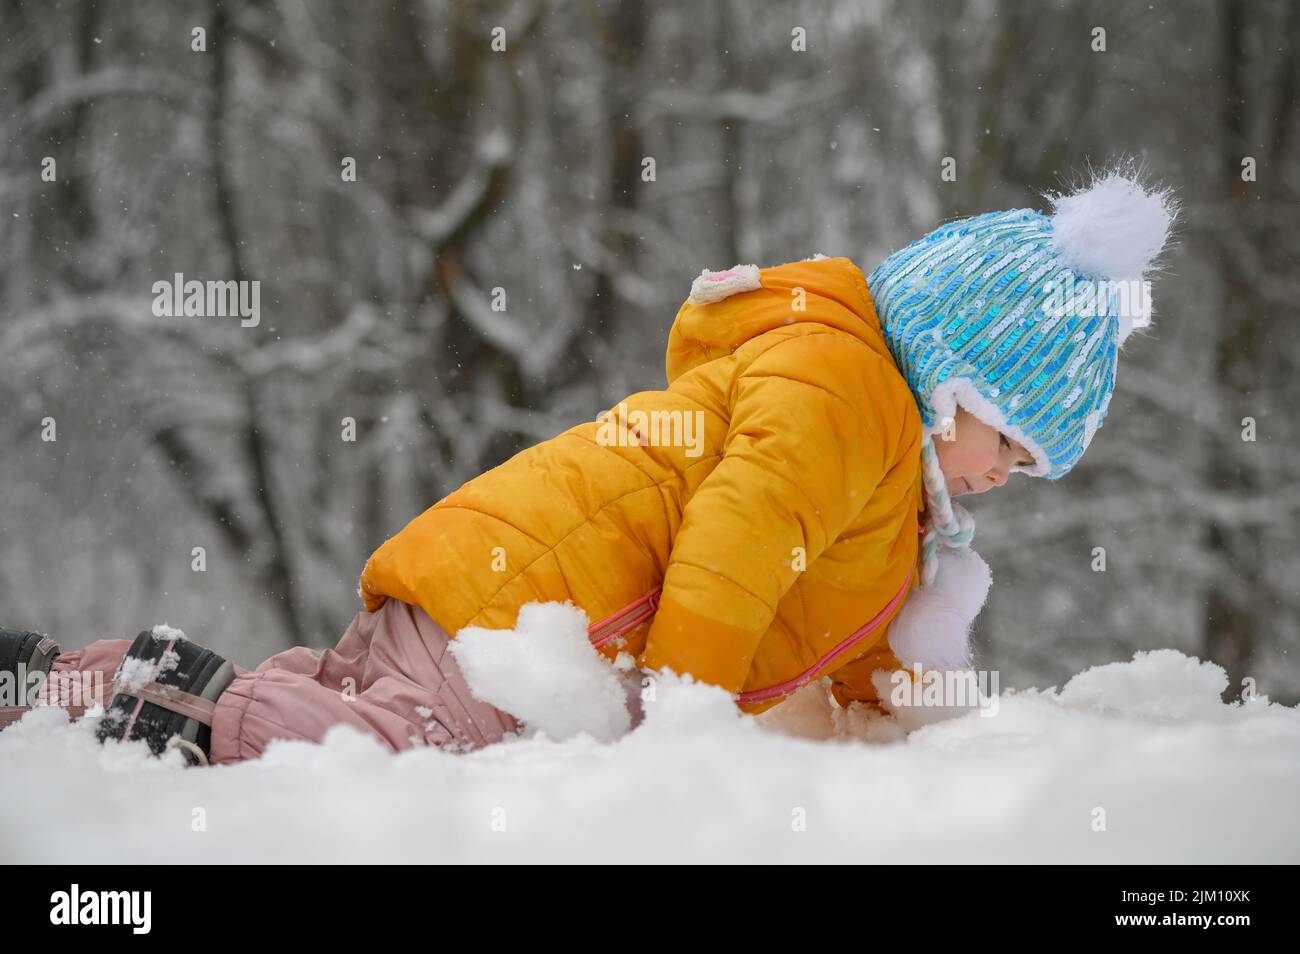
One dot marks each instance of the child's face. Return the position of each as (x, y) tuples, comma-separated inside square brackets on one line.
[(979, 457)]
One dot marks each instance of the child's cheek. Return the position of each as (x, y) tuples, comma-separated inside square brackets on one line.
[(977, 460), (966, 458), (950, 458)]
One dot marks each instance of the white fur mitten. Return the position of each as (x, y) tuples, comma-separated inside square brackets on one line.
[(932, 631)]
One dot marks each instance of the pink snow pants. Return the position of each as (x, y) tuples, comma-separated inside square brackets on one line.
[(391, 675)]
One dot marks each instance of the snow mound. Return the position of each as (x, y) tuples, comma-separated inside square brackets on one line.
[(1162, 685), (1133, 762)]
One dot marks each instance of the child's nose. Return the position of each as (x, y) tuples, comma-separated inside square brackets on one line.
[(999, 476)]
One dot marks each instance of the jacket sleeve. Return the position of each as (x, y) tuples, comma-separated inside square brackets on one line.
[(852, 681), (812, 434)]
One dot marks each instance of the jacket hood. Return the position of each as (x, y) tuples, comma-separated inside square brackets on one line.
[(727, 309)]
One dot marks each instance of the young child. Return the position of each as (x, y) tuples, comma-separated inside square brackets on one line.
[(780, 512)]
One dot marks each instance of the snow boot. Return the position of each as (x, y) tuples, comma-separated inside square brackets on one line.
[(34, 652), (21, 654), (164, 693)]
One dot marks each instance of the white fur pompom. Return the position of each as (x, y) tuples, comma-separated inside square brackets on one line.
[(932, 631), (933, 627), (1113, 228)]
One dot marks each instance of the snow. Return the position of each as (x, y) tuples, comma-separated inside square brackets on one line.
[(163, 631), (545, 673), (1133, 761), (136, 673), (168, 661)]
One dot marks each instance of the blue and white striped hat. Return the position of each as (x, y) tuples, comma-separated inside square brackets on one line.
[(1019, 317)]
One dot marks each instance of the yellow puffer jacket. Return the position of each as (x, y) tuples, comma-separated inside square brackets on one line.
[(765, 548)]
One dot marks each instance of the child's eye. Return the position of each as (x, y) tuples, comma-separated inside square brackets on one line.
[(1007, 443)]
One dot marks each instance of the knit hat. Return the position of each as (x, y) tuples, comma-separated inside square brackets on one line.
[(1019, 317)]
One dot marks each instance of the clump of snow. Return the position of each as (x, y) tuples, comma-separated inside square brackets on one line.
[(163, 631), (1131, 762), (135, 673), (168, 661), (679, 704), (545, 673)]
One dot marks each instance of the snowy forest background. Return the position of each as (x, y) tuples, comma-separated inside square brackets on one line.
[(522, 169)]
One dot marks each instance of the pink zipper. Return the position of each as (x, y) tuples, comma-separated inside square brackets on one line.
[(807, 676), (639, 610)]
